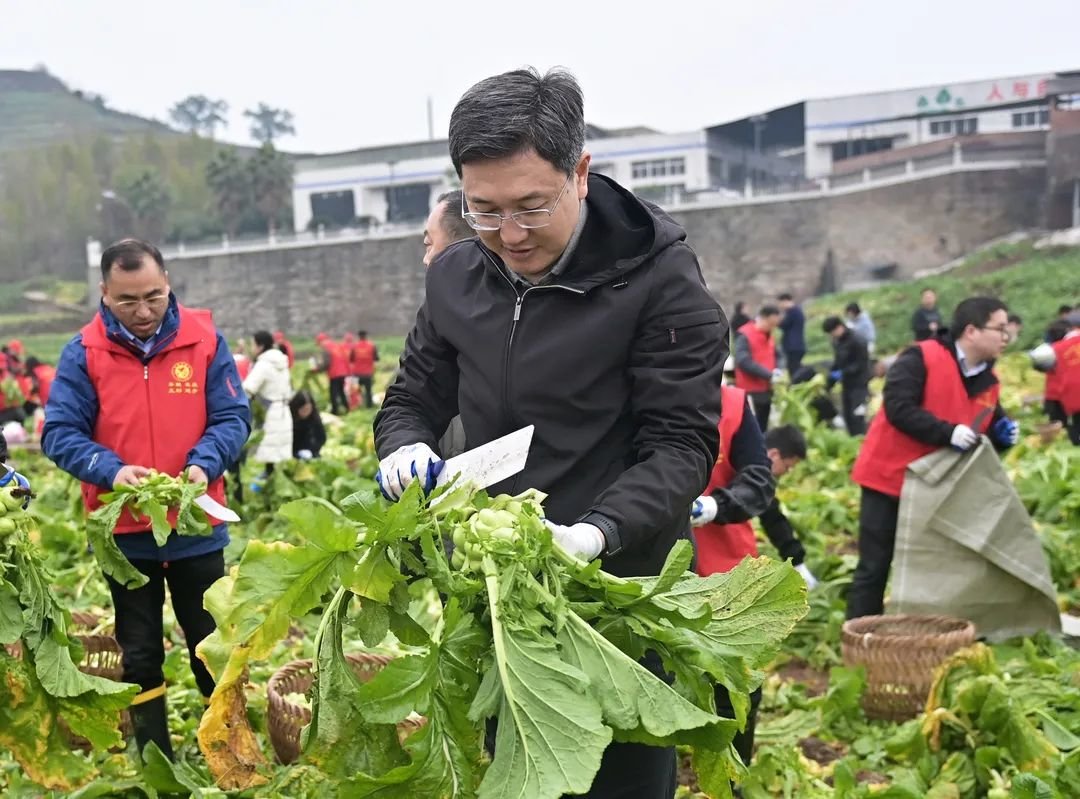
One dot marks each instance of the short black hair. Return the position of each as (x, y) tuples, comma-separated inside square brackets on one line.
[(452, 223), (1057, 331), (853, 307), (974, 311), (788, 440), (128, 254), (518, 111), (1014, 318), (262, 338), (831, 323), (769, 310), (361, 333), (1064, 309), (740, 306), (783, 297)]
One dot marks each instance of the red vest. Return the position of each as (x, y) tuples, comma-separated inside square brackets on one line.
[(886, 452), (763, 351), (243, 365), (363, 358), (1066, 374), (151, 415), (720, 547), (339, 358), (44, 375), (26, 386)]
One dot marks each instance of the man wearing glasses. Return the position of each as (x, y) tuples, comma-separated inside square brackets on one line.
[(580, 309), (939, 392), (150, 384)]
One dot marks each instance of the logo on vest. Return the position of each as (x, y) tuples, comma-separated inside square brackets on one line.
[(182, 383)]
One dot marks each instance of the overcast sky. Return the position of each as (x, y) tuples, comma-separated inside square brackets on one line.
[(358, 73)]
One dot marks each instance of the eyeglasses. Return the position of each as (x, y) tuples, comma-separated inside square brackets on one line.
[(155, 302), (529, 220), (1003, 330)]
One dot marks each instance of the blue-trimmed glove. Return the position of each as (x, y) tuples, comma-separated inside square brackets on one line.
[(835, 375), (703, 511), (20, 481), (1005, 432), (401, 467)]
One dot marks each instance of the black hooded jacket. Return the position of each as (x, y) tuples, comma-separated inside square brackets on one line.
[(617, 362)]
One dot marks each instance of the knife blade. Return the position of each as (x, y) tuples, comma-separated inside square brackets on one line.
[(489, 463), (215, 508)]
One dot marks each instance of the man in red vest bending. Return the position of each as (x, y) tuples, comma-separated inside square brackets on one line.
[(364, 356), (1063, 377), (939, 392), (755, 361), (150, 384)]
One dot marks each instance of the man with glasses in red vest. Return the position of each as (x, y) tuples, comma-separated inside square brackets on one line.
[(150, 384), (755, 361), (940, 392)]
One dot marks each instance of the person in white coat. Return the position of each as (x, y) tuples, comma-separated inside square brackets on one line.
[(269, 382)]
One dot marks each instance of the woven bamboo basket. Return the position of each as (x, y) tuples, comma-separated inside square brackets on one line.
[(1049, 431), (285, 719), (900, 654)]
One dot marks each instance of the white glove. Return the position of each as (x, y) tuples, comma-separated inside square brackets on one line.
[(777, 375), (304, 454), (399, 468), (703, 511), (581, 540), (963, 438), (808, 576)]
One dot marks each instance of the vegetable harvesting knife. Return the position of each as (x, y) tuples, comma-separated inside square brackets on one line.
[(215, 508), (489, 463)]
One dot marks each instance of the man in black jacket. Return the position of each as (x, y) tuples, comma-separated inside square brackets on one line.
[(578, 309), (792, 333), (926, 321), (851, 369)]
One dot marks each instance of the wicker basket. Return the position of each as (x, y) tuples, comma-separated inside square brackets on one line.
[(900, 654), (286, 719), (1049, 431)]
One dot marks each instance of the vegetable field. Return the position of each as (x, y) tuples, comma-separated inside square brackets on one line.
[(502, 625)]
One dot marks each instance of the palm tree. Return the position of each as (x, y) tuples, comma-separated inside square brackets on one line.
[(197, 113), (269, 123), (229, 180), (271, 183)]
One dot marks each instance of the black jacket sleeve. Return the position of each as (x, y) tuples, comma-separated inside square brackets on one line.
[(675, 368), (423, 398), (753, 487), (904, 386), (781, 534), (745, 361)]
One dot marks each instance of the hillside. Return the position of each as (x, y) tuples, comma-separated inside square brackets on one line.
[(37, 108), (1034, 283)]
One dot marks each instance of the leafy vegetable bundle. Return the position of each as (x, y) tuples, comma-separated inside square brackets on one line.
[(508, 628), (39, 680), (152, 498)]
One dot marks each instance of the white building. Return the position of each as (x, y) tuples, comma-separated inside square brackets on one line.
[(399, 183), (843, 127)]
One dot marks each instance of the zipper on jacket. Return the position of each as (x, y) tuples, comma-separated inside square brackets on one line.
[(518, 302), (149, 410)]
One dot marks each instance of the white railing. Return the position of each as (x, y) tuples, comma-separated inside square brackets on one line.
[(887, 174)]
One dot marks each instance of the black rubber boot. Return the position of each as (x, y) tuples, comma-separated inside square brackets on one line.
[(151, 723)]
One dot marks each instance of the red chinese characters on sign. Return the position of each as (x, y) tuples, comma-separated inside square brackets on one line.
[(1040, 88), (995, 95), (1020, 89)]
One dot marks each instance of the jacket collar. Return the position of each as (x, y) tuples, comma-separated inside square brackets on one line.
[(166, 334)]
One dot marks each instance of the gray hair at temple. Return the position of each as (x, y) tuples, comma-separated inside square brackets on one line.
[(516, 111)]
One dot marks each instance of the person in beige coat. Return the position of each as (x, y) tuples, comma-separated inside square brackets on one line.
[(269, 382)]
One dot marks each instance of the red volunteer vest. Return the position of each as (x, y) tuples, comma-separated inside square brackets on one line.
[(763, 351), (339, 359), (720, 547), (151, 415), (363, 359), (1066, 374), (44, 375), (886, 452), (26, 386)]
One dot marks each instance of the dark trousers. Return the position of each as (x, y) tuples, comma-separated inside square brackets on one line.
[(877, 540), (794, 361), (138, 616), (1055, 412), (365, 383), (761, 401), (850, 399), (339, 403), (1074, 429), (744, 741)]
